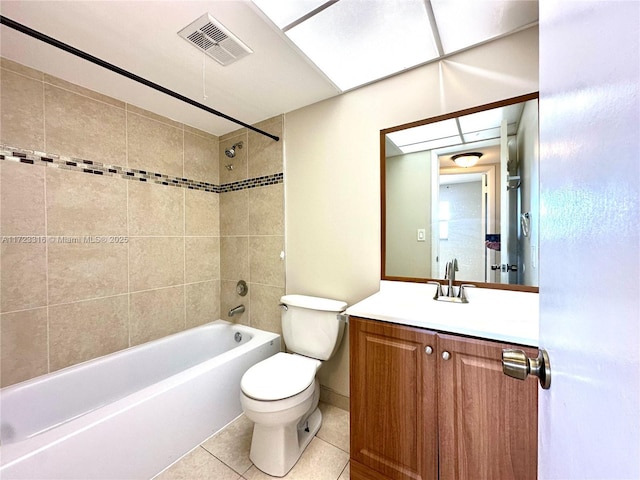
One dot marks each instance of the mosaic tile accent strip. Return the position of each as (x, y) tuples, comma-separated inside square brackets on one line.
[(96, 168)]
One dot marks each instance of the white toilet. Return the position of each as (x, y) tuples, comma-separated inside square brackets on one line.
[(280, 394)]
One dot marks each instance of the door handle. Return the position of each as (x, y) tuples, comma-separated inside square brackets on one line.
[(516, 364)]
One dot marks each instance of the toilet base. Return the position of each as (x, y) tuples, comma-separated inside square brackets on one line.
[(275, 450)]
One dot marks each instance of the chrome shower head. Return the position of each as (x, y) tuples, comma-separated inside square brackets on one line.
[(231, 151)]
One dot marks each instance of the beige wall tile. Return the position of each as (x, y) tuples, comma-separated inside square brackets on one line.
[(85, 92), (153, 116), (22, 199), (202, 303), (156, 313), (229, 299), (234, 258), (266, 313), (79, 271), (154, 146), (155, 209), (265, 265), (83, 127), (84, 330), (155, 262), (201, 158), (23, 345), (22, 112), (83, 204), (234, 213), (201, 213), (235, 133), (266, 210), (23, 275), (21, 69), (239, 162), (202, 259), (265, 154), (201, 133)]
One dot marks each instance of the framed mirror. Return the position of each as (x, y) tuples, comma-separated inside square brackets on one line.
[(463, 186)]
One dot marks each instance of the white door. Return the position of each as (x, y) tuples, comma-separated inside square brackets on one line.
[(589, 420)]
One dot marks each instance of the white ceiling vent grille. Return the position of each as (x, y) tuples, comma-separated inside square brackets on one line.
[(210, 36)]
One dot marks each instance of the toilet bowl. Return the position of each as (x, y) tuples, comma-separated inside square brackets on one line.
[(281, 394)]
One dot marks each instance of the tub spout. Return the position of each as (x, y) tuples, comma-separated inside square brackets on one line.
[(236, 310)]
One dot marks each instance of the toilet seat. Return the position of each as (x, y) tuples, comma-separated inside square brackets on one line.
[(279, 377)]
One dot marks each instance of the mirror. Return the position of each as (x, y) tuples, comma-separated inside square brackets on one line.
[(465, 186)]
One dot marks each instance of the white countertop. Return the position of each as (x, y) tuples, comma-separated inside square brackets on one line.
[(501, 315)]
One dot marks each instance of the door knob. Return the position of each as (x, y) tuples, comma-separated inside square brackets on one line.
[(516, 364)]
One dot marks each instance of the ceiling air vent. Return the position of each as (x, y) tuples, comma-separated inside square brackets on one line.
[(210, 36)]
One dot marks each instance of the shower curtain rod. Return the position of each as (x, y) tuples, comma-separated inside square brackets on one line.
[(79, 53)]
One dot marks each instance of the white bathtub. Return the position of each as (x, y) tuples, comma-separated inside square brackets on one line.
[(130, 414)]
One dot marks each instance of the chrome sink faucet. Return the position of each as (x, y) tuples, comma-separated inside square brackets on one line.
[(450, 274), (450, 270)]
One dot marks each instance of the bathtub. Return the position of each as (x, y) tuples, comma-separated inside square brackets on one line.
[(130, 414)]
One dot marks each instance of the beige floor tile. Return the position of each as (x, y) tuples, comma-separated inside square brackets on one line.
[(198, 464), (233, 444), (320, 461), (335, 426), (346, 473)]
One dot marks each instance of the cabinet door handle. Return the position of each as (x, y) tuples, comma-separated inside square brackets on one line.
[(428, 350), (446, 355)]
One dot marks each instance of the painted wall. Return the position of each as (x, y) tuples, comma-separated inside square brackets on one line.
[(332, 168), (590, 239), (408, 188), (152, 187)]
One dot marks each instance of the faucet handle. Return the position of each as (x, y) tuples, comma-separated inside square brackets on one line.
[(461, 292), (439, 292)]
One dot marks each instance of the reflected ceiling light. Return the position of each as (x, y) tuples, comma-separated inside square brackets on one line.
[(466, 160)]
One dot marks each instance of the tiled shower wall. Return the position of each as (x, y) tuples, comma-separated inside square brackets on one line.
[(113, 227)]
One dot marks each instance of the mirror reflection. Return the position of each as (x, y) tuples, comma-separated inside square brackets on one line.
[(465, 187)]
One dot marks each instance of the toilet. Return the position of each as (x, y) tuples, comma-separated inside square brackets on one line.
[(280, 394)]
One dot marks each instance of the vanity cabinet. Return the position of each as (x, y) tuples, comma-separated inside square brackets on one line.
[(427, 405)]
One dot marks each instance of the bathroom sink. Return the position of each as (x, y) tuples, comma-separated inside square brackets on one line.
[(515, 321)]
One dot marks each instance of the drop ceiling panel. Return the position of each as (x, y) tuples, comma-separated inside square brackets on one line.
[(463, 23), (355, 42), (285, 12)]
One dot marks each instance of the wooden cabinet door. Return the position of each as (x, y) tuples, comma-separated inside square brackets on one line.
[(393, 401), (488, 424)]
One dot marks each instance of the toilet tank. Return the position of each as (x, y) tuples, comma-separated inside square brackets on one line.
[(310, 325)]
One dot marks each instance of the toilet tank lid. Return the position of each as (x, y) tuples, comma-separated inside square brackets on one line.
[(314, 303)]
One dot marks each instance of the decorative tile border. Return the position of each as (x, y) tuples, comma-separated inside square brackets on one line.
[(97, 168)]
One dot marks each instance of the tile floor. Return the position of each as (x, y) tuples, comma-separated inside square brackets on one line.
[(225, 456)]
